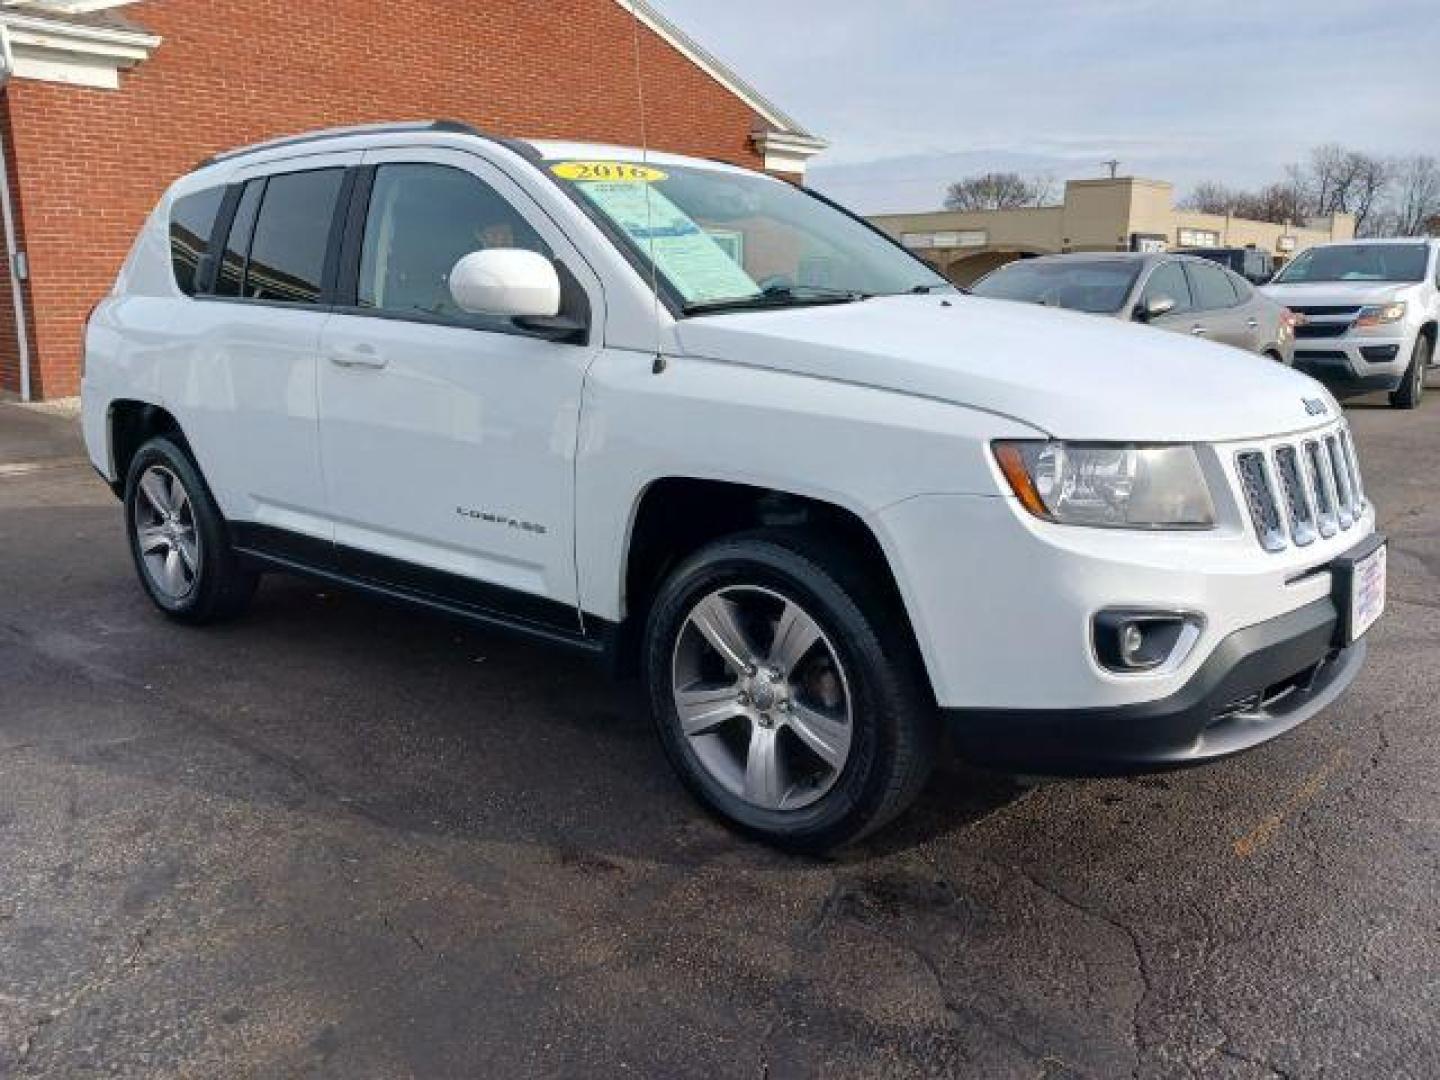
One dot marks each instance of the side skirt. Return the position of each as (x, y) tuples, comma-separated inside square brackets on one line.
[(487, 606)]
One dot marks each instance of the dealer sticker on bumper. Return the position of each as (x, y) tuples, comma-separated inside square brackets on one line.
[(1367, 592)]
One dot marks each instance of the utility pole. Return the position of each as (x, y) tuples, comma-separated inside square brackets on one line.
[(1113, 165)]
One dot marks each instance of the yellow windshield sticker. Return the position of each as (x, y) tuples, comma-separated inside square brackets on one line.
[(608, 172)]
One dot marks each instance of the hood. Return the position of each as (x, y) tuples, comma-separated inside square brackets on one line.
[(1071, 375), (1336, 293)]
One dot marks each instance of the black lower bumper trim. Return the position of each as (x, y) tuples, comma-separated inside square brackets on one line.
[(1341, 380), (1259, 683)]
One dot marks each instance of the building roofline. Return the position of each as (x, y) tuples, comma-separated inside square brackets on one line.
[(716, 68)]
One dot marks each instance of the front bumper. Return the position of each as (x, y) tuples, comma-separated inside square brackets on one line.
[(1354, 364), (1257, 684)]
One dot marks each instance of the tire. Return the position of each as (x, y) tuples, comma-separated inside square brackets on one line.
[(860, 684), (1412, 390), (178, 538)]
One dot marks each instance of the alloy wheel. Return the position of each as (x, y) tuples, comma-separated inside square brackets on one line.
[(165, 533), (762, 697)]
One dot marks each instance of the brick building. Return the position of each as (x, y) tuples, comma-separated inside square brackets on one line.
[(106, 101)]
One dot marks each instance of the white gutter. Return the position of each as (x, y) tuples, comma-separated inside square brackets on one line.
[(14, 258)]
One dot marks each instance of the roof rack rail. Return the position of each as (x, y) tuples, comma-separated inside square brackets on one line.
[(455, 127)]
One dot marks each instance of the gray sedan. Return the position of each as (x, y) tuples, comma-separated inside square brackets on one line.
[(1180, 293)]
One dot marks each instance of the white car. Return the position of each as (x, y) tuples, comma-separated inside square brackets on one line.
[(707, 425), (1368, 314)]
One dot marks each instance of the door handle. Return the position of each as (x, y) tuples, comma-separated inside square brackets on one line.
[(358, 356), (1198, 330), (1252, 323)]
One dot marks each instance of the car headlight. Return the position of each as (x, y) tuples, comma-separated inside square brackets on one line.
[(1111, 485), (1380, 314)]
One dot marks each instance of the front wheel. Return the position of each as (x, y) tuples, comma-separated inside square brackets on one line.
[(787, 692), (1411, 391)]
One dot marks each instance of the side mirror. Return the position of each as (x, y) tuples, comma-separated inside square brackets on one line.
[(506, 281), (1155, 307)]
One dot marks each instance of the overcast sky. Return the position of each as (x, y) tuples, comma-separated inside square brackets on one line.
[(911, 93)]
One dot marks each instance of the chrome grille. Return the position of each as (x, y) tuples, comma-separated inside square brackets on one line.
[(1260, 495), (1318, 473), (1345, 501), (1297, 492), (1297, 499)]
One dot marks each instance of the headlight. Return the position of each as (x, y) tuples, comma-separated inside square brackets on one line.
[(1112, 485), (1380, 314)]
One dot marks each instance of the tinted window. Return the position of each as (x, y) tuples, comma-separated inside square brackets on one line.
[(422, 220), (1169, 280), (1210, 286), (1242, 288), (1358, 262), (237, 244), (1095, 285), (292, 234), (192, 219)]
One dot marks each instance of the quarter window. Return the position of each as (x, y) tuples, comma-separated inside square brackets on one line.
[(192, 219), (421, 221), (1169, 280), (1210, 286), (292, 235)]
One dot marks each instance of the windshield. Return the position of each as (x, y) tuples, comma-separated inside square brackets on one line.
[(1099, 286), (1357, 262), (721, 240)]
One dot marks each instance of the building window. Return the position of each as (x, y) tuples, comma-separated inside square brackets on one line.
[(1193, 238)]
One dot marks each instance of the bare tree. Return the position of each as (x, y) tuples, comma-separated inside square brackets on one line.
[(998, 191), (1370, 180), (1416, 205), (1210, 197)]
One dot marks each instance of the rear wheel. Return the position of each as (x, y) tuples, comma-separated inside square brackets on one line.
[(178, 538), (1412, 390), (786, 691)]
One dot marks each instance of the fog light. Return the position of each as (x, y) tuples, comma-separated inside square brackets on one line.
[(1133, 642)]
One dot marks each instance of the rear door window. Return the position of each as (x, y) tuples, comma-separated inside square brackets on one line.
[(292, 236), (1210, 286), (1169, 280), (237, 244), (192, 220)]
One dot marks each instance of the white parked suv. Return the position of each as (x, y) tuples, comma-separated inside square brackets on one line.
[(1368, 314), (713, 428)]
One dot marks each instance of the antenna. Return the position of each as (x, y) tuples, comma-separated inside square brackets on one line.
[(1113, 165), (659, 365)]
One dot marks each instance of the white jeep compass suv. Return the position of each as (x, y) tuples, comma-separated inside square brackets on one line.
[(1368, 315), (706, 424)]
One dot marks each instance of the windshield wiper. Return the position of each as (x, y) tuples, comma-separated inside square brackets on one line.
[(778, 296)]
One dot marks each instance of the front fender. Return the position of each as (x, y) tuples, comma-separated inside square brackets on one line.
[(854, 447)]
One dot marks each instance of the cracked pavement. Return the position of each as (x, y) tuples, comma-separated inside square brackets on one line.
[(341, 839)]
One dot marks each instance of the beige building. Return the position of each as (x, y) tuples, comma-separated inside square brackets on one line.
[(1120, 214)]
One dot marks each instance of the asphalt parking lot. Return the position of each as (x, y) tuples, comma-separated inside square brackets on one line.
[(340, 839)]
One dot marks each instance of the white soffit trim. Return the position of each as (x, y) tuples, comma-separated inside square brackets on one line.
[(716, 68), (57, 50), (69, 7), (786, 152)]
